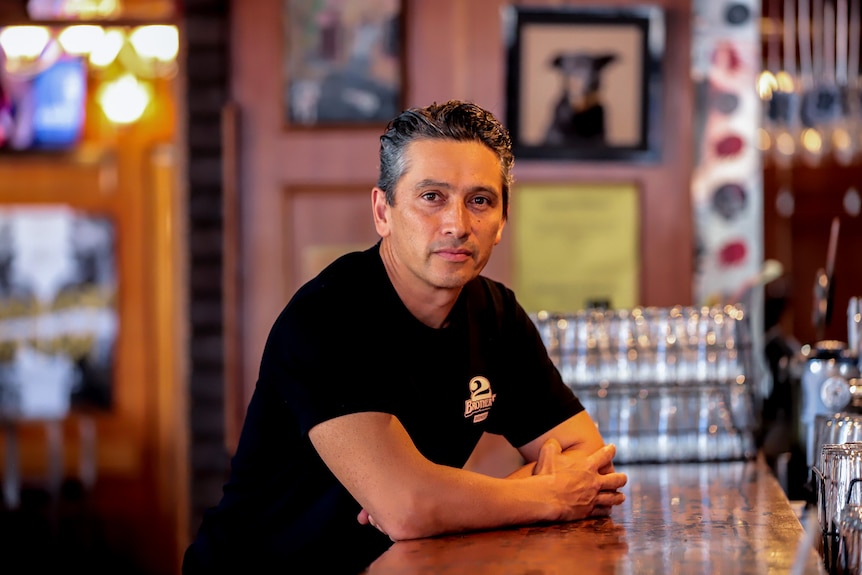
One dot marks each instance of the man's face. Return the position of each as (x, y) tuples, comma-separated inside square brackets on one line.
[(447, 217)]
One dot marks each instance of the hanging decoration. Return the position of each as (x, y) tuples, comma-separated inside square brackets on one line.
[(727, 183)]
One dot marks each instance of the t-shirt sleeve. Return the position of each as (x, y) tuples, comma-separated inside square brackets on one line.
[(315, 360), (536, 399)]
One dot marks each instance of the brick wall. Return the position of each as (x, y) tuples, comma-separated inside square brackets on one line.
[(207, 35)]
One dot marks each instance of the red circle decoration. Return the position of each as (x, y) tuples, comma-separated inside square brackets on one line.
[(732, 253), (729, 146)]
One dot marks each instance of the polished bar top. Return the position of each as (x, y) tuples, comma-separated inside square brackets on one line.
[(694, 518)]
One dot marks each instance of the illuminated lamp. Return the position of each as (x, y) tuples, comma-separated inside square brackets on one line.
[(29, 50), (153, 51), (81, 39), (105, 51), (124, 100), (766, 85), (159, 42), (811, 140), (24, 42), (785, 82), (785, 144)]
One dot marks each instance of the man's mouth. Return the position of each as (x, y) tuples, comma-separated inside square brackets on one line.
[(454, 255)]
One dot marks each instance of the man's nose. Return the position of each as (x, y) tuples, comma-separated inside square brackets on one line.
[(456, 220)]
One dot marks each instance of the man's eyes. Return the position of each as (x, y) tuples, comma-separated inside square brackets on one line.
[(478, 200)]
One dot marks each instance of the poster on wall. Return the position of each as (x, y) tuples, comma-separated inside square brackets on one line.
[(58, 315), (727, 180), (577, 246)]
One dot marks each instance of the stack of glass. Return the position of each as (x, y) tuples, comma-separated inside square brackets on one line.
[(663, 384)]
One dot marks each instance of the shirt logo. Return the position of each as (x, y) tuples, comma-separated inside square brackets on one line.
[(481, 399)]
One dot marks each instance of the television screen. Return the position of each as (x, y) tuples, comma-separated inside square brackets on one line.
[(45, 111)]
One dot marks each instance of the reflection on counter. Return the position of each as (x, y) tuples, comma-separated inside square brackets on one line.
[(686, 518)]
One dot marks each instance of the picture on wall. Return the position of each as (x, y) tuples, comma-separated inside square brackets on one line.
[(583, 83), (577, 245), (342, 62), (58, 310)]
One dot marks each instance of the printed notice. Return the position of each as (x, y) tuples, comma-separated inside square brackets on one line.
[(576, 246)]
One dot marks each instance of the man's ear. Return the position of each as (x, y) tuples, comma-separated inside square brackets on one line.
[(380, 211), (500, 231)]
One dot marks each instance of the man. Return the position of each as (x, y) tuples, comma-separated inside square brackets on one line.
[(382, 373)]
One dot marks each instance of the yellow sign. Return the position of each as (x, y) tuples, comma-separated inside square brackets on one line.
[(576, 245)]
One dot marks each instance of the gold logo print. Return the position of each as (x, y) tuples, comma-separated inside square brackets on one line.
[(481, 399)]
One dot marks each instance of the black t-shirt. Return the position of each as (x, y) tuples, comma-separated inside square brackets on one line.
[(344, 344)]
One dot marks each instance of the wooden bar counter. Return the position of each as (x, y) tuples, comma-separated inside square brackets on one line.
[(693, 518)]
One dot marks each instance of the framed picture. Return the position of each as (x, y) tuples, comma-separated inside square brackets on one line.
[(342, 62), (57, 270), (584, 83), (577, 244)]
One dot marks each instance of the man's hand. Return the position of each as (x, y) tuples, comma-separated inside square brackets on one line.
[(589, 486)]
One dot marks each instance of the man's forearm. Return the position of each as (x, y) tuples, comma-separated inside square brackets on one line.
[(523, 471)]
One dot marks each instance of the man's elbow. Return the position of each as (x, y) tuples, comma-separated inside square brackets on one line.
[(413, 517)]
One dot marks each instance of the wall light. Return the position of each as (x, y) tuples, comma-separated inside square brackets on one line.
[(24, 42), (81, 39), (106, 50), (159, 42), (124, 100)]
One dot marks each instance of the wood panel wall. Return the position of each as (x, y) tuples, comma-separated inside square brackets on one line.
[(454, 49)]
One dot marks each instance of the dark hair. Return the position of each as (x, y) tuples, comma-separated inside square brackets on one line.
[(455, 120)]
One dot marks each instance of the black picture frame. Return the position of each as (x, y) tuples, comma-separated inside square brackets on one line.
[(610, 57)]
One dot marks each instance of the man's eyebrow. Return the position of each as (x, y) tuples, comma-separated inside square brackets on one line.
[(431, 183)]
